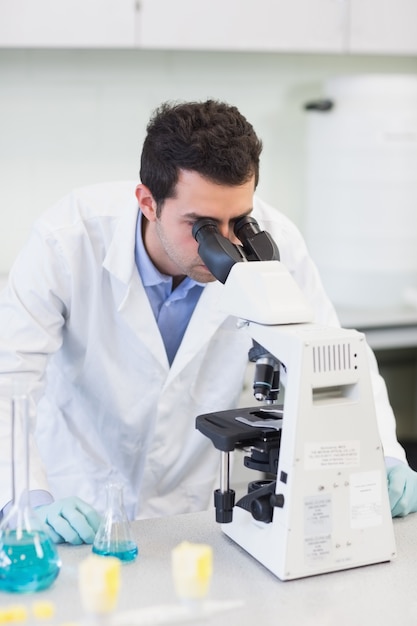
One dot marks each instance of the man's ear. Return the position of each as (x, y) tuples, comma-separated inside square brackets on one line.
[(146, 202)]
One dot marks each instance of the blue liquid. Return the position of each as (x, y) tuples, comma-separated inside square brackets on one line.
[(124, 550), (30, 563)]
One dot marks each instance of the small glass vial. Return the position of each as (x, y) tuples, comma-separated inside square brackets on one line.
[(99, 586), (29, 559), (192, 568), (114, 537)]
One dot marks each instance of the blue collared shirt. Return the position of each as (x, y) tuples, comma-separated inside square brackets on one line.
[(172, 309)]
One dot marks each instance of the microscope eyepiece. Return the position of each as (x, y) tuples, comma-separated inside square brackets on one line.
[(258, 245), (217, 252), (204, 227), (245, 228)]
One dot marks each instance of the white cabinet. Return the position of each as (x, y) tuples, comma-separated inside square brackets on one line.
[(327, 26), (270, 25), (349, 26), (383, 26), (67, 23)]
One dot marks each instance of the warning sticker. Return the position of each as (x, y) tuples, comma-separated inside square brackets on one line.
[(331, 455)]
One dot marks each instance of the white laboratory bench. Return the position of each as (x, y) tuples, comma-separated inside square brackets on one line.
[(382, 594)]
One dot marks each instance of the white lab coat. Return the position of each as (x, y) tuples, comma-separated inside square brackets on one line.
[(76, 317)]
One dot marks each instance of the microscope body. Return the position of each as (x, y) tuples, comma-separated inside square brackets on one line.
[(329, 509)]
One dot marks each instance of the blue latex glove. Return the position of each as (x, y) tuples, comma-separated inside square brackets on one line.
[(70, 520), (402, 490)]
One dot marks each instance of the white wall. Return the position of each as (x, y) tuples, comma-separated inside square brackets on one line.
[(69, 118)]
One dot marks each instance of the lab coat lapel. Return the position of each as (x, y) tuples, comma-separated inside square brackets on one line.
[(131, 300), (204, 322), (136, 310)]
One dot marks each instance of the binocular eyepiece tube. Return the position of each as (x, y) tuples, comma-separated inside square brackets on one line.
[(220, 254)]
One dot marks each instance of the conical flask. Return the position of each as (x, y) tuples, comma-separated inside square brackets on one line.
[(114, 537), (29, 559)]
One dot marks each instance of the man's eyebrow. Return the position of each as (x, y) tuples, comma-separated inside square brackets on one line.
[(195, 216)]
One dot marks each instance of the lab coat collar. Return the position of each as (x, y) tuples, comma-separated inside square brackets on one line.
[(120, 257), (131, 300)]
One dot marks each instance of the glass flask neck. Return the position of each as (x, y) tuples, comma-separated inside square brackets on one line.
[(20, 450), (114, 498)]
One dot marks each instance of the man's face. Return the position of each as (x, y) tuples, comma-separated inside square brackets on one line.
[(168, 238)]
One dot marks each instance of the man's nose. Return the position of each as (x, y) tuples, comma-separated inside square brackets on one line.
[(228, 232)]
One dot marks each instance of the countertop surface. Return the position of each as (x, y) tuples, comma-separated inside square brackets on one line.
[(385, 328), (384, 594), (378, 317)]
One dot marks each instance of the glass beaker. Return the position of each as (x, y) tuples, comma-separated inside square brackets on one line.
[(114, 537), (29, 560)]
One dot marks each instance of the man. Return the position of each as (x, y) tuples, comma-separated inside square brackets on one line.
[(115, 318)]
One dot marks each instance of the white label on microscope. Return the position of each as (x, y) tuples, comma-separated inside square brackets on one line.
[(365, 499), (331, 455), (317, 527)]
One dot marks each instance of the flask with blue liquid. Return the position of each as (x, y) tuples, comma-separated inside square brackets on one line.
[(29, 560), (114, 536)]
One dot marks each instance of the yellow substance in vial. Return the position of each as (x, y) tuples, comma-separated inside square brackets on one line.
[(192, 567), (99, 583)]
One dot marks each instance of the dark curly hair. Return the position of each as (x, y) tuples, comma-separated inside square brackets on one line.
[(211, 138)]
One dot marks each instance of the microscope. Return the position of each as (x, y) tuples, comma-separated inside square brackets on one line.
[(322, 503)]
